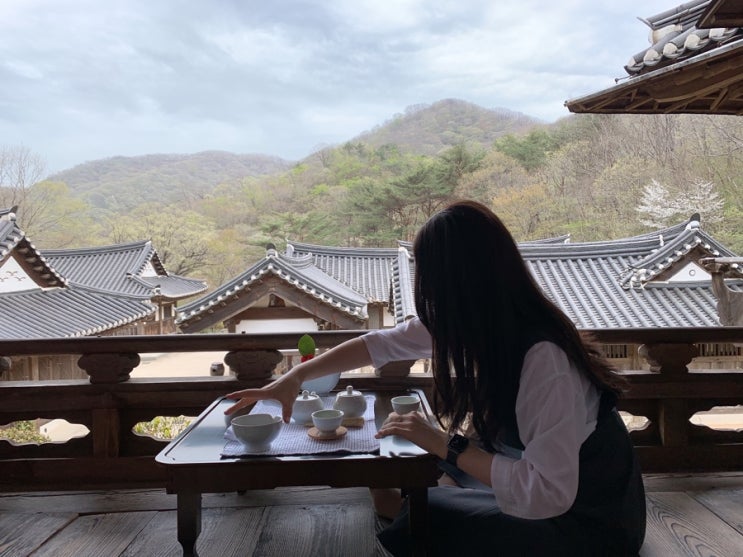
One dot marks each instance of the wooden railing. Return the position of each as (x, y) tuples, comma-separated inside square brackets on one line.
[(110, 403)]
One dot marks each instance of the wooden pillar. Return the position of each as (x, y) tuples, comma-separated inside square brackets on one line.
[(106, 432)]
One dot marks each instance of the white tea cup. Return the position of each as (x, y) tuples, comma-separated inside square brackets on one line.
[(405, 404)]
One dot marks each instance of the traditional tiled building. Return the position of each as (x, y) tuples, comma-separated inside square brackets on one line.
[(108, 290), (650, 280)]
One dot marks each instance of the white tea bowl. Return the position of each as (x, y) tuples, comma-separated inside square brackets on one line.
[(327, 421), (257, 431), (241, 412), (405, 404)]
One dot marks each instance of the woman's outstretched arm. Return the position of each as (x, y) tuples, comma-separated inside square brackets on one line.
[(348, 355)]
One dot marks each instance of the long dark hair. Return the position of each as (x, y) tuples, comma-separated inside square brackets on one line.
[(477, 298)]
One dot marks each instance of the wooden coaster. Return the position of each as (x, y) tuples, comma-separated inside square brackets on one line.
[(315, 434), (353, 422)]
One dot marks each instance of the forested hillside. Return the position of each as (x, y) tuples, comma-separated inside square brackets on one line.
[(591, 176), (122, 183), (429, 129)]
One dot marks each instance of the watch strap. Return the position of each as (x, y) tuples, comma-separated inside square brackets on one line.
[(456, 446)]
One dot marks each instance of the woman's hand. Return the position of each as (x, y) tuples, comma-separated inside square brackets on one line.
[(414, 427), (351, 354), (284, 389)]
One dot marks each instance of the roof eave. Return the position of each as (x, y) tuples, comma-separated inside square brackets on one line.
[(676, 89), (721, 13)]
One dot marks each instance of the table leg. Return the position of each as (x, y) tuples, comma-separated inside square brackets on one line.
[(418, 519), (189, 521)]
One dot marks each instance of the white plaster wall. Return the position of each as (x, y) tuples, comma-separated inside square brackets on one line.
[(277, 326), (13, 278)]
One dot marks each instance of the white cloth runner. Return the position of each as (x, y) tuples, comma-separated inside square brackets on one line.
[(294, 439)]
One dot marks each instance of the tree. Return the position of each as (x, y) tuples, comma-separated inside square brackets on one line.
[(531, 151), (526, 211), (659, 206), (20, 168), (181, 238), (54, 218)]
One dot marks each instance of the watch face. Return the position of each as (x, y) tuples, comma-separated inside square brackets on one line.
[(458, 443)]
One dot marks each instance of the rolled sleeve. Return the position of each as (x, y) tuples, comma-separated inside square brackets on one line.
[(408, 341)]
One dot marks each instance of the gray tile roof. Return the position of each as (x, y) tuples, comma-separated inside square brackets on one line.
[(13, 239), (629, 283), (174, 287), (81, 292), (124, 269), (368, 271), (620, 283), (298, 271), (693, 65), (675, 36), (649, 280), (402, 301), (67, 312)]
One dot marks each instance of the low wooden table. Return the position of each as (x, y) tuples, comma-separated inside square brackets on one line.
[(194, 466)]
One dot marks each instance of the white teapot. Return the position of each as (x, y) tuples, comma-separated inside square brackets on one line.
[(305, 404), (353, 403)]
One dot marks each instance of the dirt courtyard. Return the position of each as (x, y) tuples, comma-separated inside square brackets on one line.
[(177, 364)]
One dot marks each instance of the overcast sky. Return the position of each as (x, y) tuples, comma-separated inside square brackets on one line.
[(87, 79)]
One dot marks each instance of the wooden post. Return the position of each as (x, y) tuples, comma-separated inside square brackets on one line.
[(106, 431)]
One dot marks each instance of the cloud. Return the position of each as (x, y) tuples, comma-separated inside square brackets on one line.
[(85, 79)]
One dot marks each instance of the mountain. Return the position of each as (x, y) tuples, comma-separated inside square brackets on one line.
[(120, 183), (430, 129)]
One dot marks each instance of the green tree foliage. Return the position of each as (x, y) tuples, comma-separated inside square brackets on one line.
[(531, 151), (54, 215), (181, 238), (211, 215), (23, 433)]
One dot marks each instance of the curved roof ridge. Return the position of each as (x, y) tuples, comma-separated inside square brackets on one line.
[(341, 250), (340, 290), (147, 296), (13, 239), (309, 278), (658, 261), (97, 249)]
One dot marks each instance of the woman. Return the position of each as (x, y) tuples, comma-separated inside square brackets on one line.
[(550, 469)]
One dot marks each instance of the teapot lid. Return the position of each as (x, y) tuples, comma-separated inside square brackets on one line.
[(306, 395), (349, 392)]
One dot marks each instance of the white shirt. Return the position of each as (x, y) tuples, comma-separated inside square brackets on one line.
[(556, 411)]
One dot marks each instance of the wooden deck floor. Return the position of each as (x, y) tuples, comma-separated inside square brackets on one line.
[(694, 515)]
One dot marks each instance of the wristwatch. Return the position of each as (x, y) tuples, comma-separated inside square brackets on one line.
[(456, 446)]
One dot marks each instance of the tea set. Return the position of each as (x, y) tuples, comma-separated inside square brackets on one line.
[(349, 407), (257, 431)]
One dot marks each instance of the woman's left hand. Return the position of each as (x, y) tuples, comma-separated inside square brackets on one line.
[(414, 427)]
